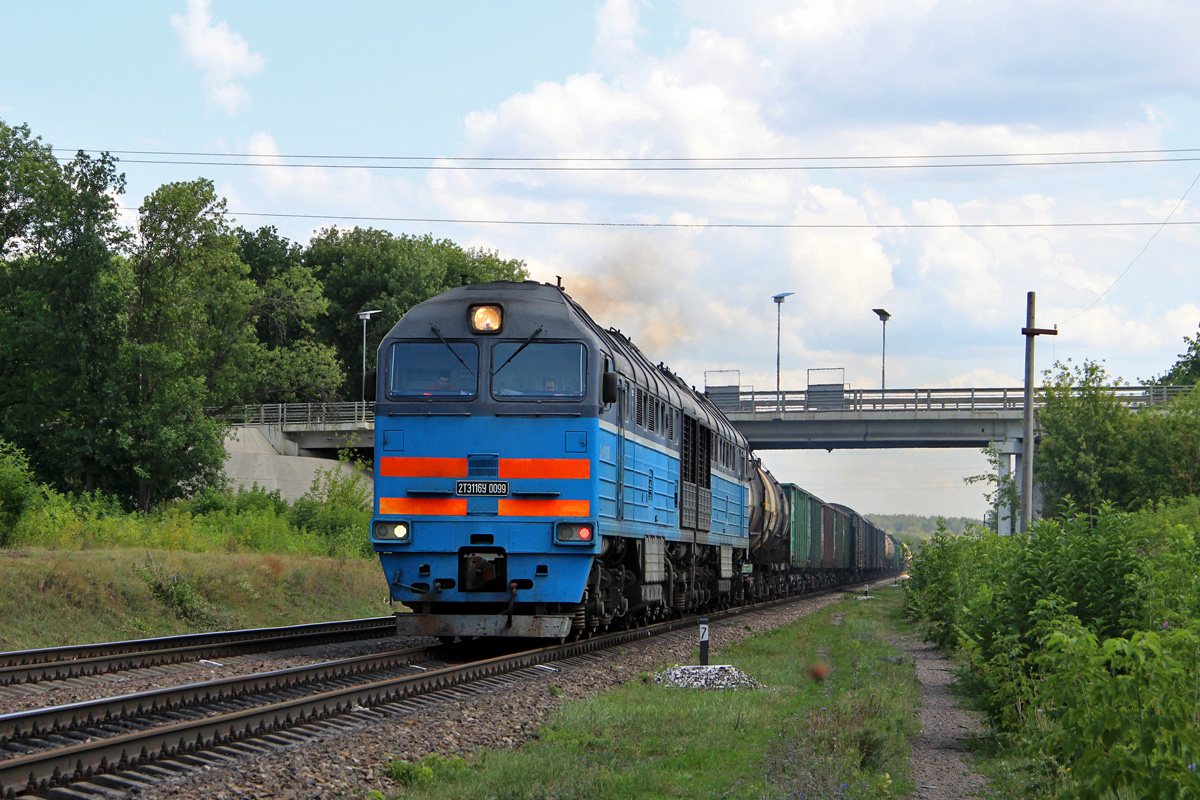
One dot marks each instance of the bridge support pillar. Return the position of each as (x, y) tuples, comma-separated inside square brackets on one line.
[(1006, 513)]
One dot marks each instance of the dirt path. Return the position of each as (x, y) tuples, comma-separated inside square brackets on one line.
[(941, 765)]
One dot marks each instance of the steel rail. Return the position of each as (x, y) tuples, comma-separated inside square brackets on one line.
[(39, 772), (71, 661), (20, 726)]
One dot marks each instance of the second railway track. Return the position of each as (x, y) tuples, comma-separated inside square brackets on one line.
[(75, 661)]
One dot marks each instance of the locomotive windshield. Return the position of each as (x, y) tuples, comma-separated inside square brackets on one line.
[(434, 369), (551, 370)]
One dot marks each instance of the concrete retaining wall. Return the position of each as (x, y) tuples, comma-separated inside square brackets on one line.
[(251, 458)]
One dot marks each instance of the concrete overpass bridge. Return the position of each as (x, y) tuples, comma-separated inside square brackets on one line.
[(825, 417)]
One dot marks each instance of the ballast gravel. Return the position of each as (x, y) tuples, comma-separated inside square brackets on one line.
[(713, 676)]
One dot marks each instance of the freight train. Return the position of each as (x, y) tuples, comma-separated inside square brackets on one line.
[(537, 476)]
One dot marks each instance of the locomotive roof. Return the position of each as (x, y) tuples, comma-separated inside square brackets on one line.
[(530, 305)]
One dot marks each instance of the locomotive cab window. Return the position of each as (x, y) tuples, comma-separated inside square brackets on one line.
[(539, 370), (433, 370)]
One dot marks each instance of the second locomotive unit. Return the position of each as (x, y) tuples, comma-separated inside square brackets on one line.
[(536, 475)]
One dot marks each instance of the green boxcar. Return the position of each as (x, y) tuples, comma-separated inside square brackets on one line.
[(806, 528), (814, 528)]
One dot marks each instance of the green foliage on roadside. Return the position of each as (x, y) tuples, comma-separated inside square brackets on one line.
[(176, 592), (330, 520), (109, 594), (17, 488), (1186, 370), (1081, 643), (1095, 450)]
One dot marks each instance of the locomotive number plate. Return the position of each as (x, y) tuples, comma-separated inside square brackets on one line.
[(481, 488)]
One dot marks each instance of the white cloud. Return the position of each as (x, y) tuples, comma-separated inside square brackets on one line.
[(223, 56), (617, 29), (353, 190)]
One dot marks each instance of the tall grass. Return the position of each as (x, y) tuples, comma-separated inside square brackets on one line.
[(330, 520)]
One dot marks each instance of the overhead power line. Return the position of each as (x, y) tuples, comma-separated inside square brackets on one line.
[(1141, 252), (781, 167), (652, 164), (743, 225), (636, 159)]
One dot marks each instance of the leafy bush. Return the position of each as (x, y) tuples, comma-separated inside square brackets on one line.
[(338, 509), (17, 488), (1117, 718), (175, 592), (1081, 642)]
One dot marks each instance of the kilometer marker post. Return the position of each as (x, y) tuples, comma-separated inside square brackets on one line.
[(704, 642)]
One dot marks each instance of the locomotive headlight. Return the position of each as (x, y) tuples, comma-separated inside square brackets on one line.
[(574, 533), (394, 531), (486, 319)]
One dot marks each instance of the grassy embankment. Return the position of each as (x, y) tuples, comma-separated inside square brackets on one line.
[(79, 569), (844, 737), (55, 597)]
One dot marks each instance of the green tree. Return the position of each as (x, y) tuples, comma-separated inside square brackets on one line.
[(1165, 451), (58, 306), (1086, 436), (188, 345), (295, 367), (1186, 371), (31, 182), (365, 268)]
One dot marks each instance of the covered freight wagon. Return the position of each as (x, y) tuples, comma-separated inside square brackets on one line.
[(806, 527)]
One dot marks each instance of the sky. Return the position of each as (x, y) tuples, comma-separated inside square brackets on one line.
[(679, 163)]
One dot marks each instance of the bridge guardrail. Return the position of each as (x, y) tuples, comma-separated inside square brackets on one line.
[(305, 414), (756, 402), (987, 399)]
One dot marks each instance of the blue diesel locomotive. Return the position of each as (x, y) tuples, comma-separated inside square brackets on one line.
[(537, 476)]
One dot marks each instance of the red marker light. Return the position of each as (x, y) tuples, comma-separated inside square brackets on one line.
[(579, 533)]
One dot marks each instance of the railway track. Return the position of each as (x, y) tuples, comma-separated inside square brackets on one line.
[(116, 744), (75, 661)]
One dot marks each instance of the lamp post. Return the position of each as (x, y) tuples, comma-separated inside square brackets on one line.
[(364, 316), (779, 298), (883, 317)]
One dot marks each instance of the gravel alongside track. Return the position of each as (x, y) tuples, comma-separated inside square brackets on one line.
[(941, 765)]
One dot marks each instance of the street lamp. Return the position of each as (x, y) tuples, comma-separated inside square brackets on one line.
[(883, 317), (364, 316), (778, 329)]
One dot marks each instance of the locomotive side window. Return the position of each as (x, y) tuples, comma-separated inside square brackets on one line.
[(436, 370), (540, 370)]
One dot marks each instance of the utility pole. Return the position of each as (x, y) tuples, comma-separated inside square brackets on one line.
[(1029, 332)]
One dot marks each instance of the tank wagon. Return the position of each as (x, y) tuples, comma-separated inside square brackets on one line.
[(536, 475)]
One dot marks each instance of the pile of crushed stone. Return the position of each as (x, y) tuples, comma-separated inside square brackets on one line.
[(718, 676)]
